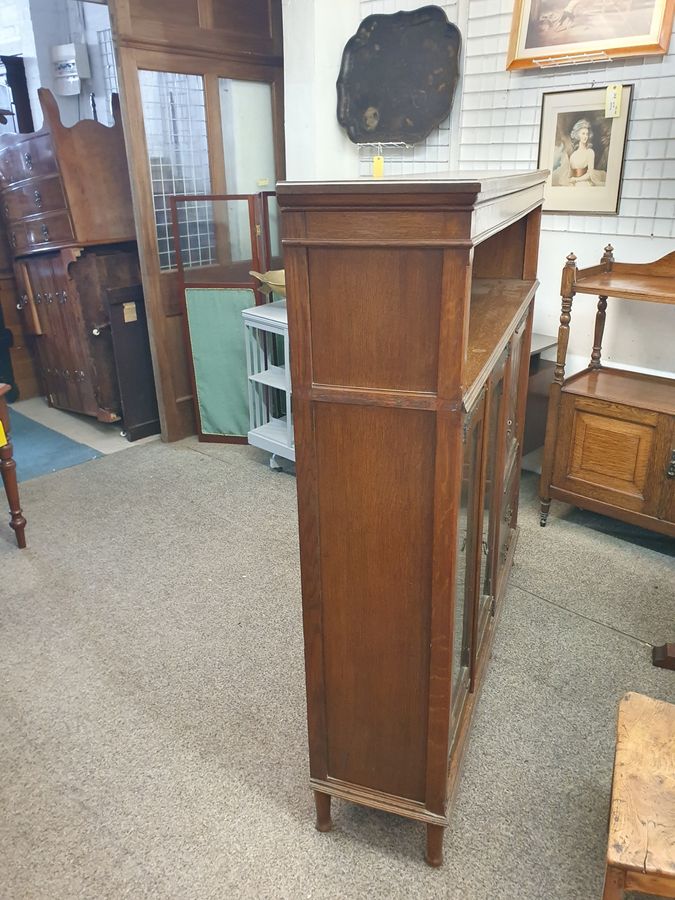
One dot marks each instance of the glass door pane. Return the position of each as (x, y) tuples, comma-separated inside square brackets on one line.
[(174, 115), (468, 545), (248, 145), (492, 485)]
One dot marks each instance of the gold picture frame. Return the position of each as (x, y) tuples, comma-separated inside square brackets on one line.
[(555, 32), (584, 151)]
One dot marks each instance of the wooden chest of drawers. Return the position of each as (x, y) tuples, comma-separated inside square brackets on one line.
[(66, 200), (63, 186)]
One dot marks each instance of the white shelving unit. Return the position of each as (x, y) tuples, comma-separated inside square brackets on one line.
[(269, 380)]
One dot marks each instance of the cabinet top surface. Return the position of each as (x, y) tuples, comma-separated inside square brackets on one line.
[(488, 183)]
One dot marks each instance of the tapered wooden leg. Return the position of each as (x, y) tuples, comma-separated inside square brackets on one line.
[(434, 854), (615, 881), (664, 656), (323, 820), (544, 507), (8, 471)]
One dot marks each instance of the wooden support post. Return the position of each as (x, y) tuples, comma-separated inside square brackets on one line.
[(434, 854), (323, 819), (615, 880), (599, 331)]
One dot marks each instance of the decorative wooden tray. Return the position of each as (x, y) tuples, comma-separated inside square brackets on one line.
[(398, 76)]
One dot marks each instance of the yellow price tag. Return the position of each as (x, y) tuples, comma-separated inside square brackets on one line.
[(378, 166), (3, 436)]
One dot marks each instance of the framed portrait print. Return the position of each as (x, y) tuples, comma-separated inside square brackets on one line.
[(553, 32), (583, 150)]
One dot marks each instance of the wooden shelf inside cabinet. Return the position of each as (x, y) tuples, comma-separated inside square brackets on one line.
[(496, 304), (610, 433), (410, 307)]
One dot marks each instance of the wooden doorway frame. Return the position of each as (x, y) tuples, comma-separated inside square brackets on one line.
[(198, 49)]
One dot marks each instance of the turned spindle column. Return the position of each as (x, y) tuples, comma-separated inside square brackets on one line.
[(567, 292), (8, 472), (607, 260)]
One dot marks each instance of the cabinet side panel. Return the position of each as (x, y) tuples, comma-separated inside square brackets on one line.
[(375, 487), (375, 317)]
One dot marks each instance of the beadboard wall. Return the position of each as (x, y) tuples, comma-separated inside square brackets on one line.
[(500, 116), (497, 115), (494, 126)]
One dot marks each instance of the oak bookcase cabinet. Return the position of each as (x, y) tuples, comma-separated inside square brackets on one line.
[(410, 316)]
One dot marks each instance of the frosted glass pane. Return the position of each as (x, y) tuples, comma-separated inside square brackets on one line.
[(174, 114), (248, 136)]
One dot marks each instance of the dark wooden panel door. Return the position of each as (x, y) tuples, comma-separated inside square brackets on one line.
[(38, 273), (63, 336), (78, 373)]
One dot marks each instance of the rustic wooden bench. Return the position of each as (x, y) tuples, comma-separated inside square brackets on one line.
[(641, 846)]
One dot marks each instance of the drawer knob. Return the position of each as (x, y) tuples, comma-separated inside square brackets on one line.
[(49, 297), (13, 239), (28, 159), (670, 471), (62, 297), (99, 328), (38, 199), (6, 210), (38, 297), (23, 300), (45, 232)]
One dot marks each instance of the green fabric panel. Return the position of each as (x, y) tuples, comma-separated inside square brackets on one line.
[(219, 357)]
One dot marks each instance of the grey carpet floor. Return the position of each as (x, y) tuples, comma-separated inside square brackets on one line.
[(152, 721)]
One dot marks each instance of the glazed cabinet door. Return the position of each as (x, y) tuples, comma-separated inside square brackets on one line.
[(467, 563), (494, 451), (519, 367)]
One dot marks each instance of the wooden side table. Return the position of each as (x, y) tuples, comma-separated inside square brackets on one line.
[(8, 471), (642, 816)]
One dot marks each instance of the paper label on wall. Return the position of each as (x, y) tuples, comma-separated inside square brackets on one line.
[(378, 166), (3, 436), (129, 311), (613, 101)]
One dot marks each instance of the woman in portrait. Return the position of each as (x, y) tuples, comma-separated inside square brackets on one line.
[(575, 158)]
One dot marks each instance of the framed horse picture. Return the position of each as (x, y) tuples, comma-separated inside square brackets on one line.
[(553, 32), (583, 148)]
